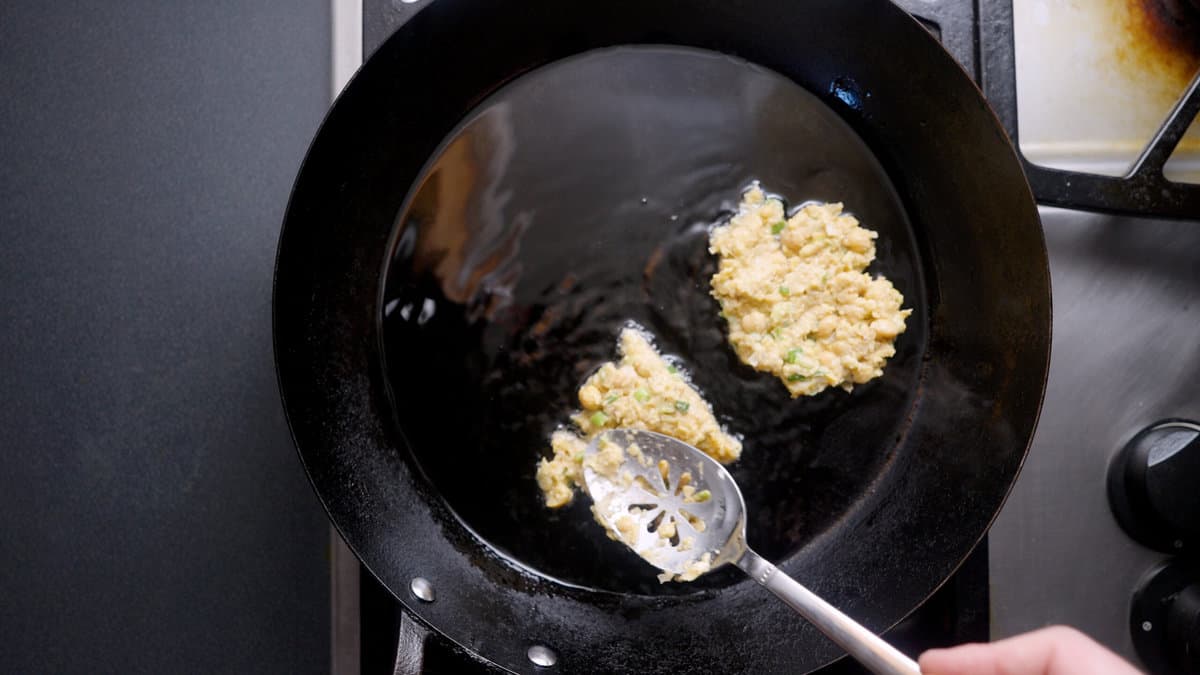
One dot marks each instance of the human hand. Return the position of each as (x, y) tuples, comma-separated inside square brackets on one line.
[(1057, 650)]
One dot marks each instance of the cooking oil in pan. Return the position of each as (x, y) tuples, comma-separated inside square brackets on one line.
[(579, 198)]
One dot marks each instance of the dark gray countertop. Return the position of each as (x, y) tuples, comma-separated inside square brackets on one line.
[(153, 517)]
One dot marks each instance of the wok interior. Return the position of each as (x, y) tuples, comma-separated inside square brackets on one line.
[(579, 198)]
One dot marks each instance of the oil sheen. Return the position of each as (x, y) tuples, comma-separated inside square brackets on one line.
[(576, 199)]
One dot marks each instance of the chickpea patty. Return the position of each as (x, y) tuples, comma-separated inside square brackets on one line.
[(641, 391), (797, 298)]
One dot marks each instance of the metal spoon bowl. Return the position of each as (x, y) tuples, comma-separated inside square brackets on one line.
[(682, 512)]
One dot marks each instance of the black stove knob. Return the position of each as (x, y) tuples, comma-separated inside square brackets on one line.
[(1165, 619), (1154, 486)]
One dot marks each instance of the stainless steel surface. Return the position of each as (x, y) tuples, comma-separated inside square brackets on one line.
[(1125, 355), (663, 494), (345, 603), (345, 46)]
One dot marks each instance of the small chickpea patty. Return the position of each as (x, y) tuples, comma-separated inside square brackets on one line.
[(797, 297), (641, 391)]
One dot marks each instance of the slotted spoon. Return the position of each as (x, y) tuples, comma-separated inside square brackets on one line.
[(673, 504)]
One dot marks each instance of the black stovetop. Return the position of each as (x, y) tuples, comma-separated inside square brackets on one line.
[(154, 517)]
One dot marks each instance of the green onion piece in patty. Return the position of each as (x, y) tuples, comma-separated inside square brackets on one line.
[(610, 398), (672, 370), (796, 377), (778, 227), (641, 395), (682, 406), (793, 355), (598, 419), (784, 291)]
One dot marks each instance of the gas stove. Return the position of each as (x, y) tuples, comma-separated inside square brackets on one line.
[(1095, 534)]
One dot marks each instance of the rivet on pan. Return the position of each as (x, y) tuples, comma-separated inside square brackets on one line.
[(1146, 626), (542, 656), (421, 588)]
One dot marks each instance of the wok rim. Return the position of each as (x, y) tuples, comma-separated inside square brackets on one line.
[(293, 408)]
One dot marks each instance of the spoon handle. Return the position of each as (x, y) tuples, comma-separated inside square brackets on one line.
[(868, 648)]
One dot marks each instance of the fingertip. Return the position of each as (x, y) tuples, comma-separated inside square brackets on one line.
[(960, 660), (938, 661), (931, 656)]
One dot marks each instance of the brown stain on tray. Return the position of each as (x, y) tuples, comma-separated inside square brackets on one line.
[(1157, 43)]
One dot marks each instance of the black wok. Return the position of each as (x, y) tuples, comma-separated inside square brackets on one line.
[(503, 186)]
